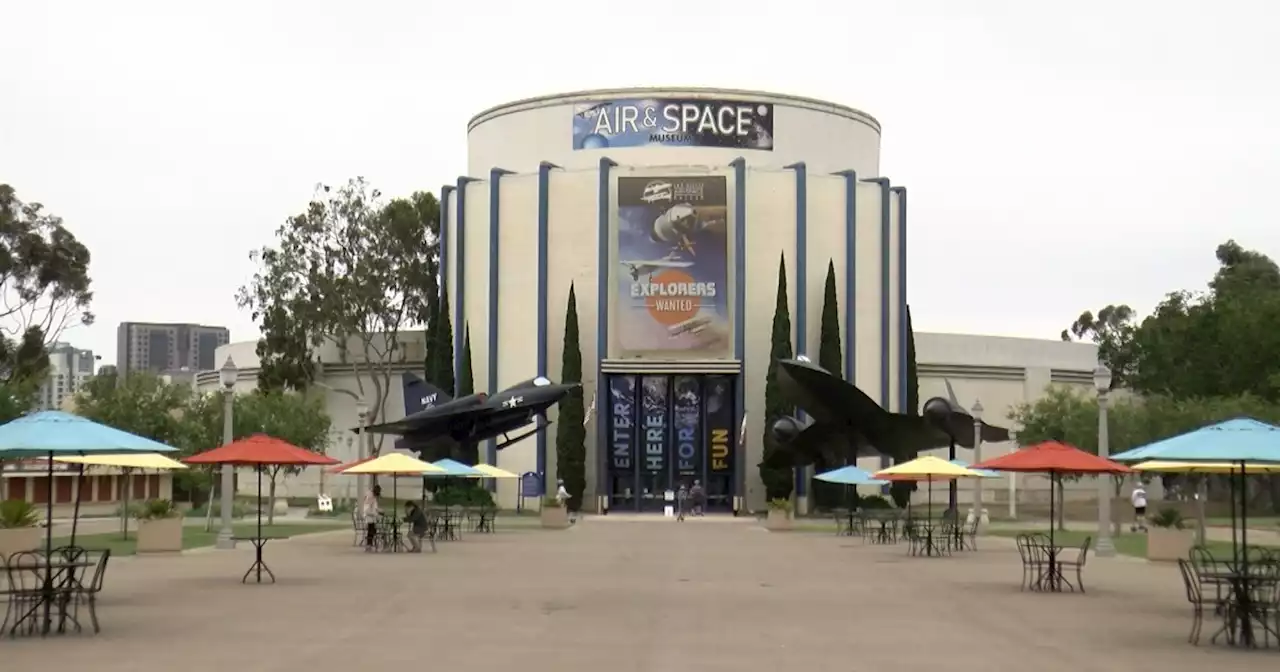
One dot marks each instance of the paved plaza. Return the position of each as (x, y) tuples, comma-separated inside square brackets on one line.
[(628, 595)]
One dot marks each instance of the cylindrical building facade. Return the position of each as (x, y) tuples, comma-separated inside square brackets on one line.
[(668, 211)]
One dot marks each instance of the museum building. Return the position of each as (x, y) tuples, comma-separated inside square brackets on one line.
[(668, 212)]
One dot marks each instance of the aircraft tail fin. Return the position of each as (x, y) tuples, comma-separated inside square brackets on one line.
[(419, 395)]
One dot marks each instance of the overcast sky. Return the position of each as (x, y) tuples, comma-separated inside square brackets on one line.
[(1057, 160)]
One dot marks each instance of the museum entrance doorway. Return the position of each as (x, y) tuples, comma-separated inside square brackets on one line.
[(667, 430)]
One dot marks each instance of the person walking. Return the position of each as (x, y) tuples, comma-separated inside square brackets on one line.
[(698, 495), (417, 526), (370, 511), (682, 499), (562, 497), (1139, 500)]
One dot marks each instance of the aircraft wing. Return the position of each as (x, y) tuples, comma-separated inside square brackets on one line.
[(436, 419)]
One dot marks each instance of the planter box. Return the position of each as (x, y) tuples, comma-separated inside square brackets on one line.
[(19, 539), (160, 536), (778, 519), (555, 517), (1169, 545)]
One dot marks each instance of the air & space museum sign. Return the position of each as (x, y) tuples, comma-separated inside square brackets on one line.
[(673, 122)]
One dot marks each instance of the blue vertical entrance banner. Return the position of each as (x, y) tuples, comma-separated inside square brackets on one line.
[(655, 424), (664, 431)]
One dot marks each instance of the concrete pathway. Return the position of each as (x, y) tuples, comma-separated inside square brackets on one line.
[(628, 595)]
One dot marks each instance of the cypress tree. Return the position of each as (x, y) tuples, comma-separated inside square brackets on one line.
[(901, 490), (439, 365), (467, 386), (776, 465), (827, 495), (571, 437)]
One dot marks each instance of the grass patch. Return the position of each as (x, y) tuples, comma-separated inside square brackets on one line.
[(1126, 544), (1268, 523), (192, 537)]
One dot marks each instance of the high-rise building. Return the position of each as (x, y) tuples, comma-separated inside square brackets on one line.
[(158, 348), (69, 368)]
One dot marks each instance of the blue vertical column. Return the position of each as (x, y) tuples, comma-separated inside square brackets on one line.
[(544, 222), (884, 297), (802, 283), (739, 166), (446, 192), (850, 274), (495, 239), (902, 301), (460, 283), (603, 264)]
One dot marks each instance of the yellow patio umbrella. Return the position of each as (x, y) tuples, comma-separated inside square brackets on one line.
[(393, 465), (1167, 467), (1174, 467), (126, 462), (927, 468), (491, 471)]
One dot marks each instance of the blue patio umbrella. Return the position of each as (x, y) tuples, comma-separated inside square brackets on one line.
[(986, 473), (51, 433), (1241, 440), (849, 476), (1237, 440), (456, 469)]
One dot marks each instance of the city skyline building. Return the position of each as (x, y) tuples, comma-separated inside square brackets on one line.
[(162, 347), (69, 368)]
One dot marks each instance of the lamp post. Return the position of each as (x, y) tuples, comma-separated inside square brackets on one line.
[(977, 457), (1013, 482), (227, 376), (1102, 383), (362, 414)]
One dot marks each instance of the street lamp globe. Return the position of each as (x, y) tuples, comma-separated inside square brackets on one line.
[(1102, 378), (228, 373), (362, 409), (977, 410)]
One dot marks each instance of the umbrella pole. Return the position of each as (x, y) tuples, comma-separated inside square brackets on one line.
[(1231, 503), (47, 588), (259, 544), (126, 488), (1244, 521), (75, 516)]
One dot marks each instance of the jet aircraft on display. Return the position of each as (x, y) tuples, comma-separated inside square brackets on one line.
[(445, 425), (648, 268), (845, 423), (677, 225)]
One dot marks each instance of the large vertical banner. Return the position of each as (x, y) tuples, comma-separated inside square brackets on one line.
[(654, 425), (672, 252), (622, 435), (720, 429), (687, 407)]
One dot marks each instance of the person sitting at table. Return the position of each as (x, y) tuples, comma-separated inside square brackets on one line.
[(369, 509), (418, 525)]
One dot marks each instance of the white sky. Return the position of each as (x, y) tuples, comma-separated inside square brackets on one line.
[(1127, 138)]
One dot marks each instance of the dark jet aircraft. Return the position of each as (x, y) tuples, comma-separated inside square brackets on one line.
[(846, 423), (446, 426)]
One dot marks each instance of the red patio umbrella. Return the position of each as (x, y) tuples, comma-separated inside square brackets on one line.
[(260, 451), (1054, 458)]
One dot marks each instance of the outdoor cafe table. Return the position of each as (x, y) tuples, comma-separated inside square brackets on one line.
[(925, 542), (52, 600), (259, 565), (1245, 608), (1051, 578)]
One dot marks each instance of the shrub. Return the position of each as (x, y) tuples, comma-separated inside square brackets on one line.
[(463, 495), (16, 514), (874, 502), (156, 509), (1170, 518), (780, 504)]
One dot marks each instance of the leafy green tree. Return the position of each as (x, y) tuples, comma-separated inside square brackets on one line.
[(571, 437), (351, 272), (44, 277), (901, 491), (297, 418), (777, 465), (141, 403), (831, 358), (1112, 330)]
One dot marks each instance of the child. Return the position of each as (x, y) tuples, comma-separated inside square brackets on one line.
[(418, 526)]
